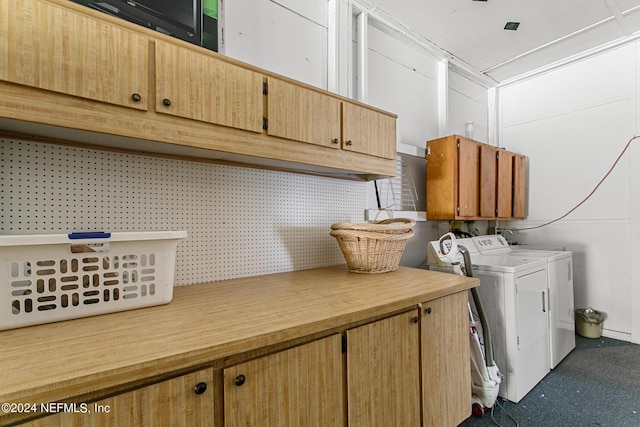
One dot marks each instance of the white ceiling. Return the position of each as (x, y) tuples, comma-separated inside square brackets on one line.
[(550, 30)]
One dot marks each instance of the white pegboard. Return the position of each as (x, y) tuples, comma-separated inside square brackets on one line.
[(240, 221)]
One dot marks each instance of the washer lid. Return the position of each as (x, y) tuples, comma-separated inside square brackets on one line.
[(534, 253), (507, 263)]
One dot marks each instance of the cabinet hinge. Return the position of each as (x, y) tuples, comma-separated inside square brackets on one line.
[(458, 209), (458, 145), (265, 123), (265, 88), (344, 344)]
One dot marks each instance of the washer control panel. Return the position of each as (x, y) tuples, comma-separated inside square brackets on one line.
[(491, 243)]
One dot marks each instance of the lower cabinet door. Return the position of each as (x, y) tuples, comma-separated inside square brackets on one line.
[(301, 386), (184, 401), (383, 372), (446, 365)]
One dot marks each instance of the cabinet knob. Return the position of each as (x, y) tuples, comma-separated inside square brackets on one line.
[(349, 142), (239, 380), (166, 102), (335, 141), (200, 388), (415, 319), (136, 97), (428, 310)]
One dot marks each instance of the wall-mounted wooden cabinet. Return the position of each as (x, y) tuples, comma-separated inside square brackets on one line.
[(468, 180), (196, 86), (301, 114), (306, 115), (367, 131), (67, 70), (53, 48)]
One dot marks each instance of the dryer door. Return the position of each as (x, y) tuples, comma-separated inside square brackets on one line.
[(532, 308), (532, 305)]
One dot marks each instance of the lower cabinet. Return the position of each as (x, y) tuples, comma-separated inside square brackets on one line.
[(446, 365), (383, 372), (407, 370), (183, 401), (301, 386)]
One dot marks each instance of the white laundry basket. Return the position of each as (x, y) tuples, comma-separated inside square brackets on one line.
[(48, 278)]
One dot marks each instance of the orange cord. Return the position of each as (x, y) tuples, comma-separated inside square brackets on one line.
[(588, 196)]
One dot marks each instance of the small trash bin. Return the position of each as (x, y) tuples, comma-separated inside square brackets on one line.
[(589, 322)]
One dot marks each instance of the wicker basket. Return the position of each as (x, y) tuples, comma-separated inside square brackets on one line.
[(377, 251)]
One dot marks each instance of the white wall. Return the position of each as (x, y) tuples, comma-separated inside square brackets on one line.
[(467, 102), (403, 79), (572, 123), (287, 37)]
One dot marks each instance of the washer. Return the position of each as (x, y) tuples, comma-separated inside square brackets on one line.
[(515, 295), (562, 339)]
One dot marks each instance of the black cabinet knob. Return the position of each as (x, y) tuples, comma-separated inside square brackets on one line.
[(349, 142), (415, 319), (200, 388), (136, 97), (428, 310), (166, 102), (239, 380), (335, 141)]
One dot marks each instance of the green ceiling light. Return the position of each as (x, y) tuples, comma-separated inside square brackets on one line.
[(511, 26)]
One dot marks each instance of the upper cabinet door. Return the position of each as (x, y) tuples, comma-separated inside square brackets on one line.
[(368, 131), (505, 184), (302, 114), (201, 87), (468, 177), (519, 186), (49, 47), (488, 180)]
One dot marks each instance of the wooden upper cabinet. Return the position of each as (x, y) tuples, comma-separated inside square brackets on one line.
[(184, 401), (383, 372), (445, 361), (452, 178), (368, 131), (301, 114), (49, 47), (301, 386), (199, 86), (488, 181), (467, 180)]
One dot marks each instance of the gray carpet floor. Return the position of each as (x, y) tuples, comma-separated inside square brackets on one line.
[(597, 384)]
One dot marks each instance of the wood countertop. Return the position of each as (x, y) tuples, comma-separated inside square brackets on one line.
[(204, 323)]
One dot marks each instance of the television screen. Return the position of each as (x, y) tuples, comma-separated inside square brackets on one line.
[(178, 18)]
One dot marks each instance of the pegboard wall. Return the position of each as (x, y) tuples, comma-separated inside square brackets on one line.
[(241, 222)]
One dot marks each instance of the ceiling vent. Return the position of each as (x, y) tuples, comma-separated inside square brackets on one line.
[(511, 26)]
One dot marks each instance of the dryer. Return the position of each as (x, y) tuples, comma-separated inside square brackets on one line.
[(561, 306), (514, 292), (562, 338)]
